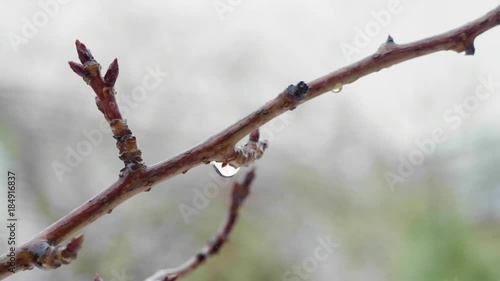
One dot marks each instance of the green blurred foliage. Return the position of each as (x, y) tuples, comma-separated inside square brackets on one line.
[(440, 245), (248, 256), (421, 231)]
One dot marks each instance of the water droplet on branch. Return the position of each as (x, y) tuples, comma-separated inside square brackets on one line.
[(224, 169), (337, 88)]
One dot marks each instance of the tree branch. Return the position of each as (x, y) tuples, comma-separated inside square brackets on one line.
[(221, 147), (105, 100), (239, 194)]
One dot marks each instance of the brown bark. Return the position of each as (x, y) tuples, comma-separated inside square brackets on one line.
[(137, 178)]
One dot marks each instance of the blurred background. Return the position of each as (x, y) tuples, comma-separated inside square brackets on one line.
[(397, 174)]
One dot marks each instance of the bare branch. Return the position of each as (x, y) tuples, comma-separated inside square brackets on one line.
[(90, 71), (239, 194), (220, 147)]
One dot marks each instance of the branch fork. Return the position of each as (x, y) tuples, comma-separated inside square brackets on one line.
[(43, 250)]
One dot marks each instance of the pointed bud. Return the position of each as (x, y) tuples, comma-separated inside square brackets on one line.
[(470, 50), (254, 136), (112, 73), (83, 53), (71, 250), (78, 69)]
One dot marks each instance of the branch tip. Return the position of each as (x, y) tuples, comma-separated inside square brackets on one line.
[(78, 69), (112, 73), (73, 247), (106, 103), (239, 194), (84, 53), (97, 277), (255, 135)]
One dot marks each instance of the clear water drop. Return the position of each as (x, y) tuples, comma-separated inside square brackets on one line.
[(337, 88), (226, 171)]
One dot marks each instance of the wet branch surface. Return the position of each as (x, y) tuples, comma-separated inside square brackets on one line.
[(44, 250)]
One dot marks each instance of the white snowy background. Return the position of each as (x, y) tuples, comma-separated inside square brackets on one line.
[(324, 174)]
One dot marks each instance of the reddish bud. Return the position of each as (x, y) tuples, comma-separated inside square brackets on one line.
[(84, 54), (78, 69), (112, 73), (254, 136), (73, 247)]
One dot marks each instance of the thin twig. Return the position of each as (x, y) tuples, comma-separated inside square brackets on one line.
[(220, 147), (239, 194), (90, 71)]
